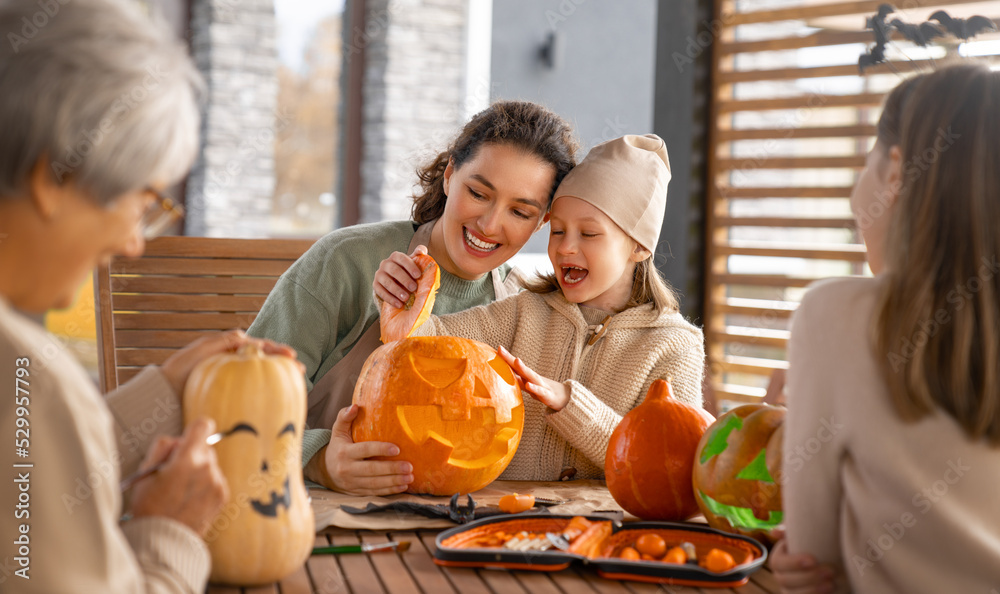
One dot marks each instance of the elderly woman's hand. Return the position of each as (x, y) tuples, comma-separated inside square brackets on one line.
[(396, 277), (189, 487), (178, 367), (345, 466)]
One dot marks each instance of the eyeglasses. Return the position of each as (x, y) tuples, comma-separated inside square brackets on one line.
[(160, 215)]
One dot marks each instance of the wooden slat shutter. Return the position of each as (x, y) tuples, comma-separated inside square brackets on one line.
[(790, 124)]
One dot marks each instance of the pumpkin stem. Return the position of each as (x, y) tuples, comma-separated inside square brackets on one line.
[(660, 390), (251, 349)]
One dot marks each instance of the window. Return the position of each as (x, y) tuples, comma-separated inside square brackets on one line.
[(791, 123), (306, 158)]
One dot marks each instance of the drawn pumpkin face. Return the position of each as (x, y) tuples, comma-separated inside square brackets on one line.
[(266, 530), (451, 406), (736, 472)]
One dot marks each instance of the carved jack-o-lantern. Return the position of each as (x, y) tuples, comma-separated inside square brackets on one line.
[(266, 530), (737, 471), (450, 404)]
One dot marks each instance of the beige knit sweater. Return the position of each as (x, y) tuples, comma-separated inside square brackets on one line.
[(71, 502), (900, 507), (606, 379)]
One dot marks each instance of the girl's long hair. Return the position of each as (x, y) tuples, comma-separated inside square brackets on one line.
[(937, 326), (521, 124)]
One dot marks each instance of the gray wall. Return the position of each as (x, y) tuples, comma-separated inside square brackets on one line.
[(682, 79), (603, 79)]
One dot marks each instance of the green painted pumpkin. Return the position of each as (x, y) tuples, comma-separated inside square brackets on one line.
[(736, 471)]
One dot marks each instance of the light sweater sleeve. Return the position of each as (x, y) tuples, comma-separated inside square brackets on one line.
[(76, 544), (587, 421), (811, 485), (495, 324), (143, 409)]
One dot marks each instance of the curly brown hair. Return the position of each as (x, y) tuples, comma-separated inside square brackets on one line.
[(520, 124)]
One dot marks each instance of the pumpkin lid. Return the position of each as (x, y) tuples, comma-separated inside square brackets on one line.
[(397, 324)]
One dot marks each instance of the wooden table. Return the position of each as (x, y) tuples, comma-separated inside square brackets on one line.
[(415, 572)]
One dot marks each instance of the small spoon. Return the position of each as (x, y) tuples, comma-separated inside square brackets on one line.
[(138, 475), (558, 541)]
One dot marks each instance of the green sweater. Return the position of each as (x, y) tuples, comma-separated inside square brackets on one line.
[(323, 304)]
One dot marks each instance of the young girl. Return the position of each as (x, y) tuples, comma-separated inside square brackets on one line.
[(479, 203), (892, 466), (591, 338)]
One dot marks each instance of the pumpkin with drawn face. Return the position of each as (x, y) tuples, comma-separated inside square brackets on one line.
[(737, 472), (266, 531), (451, 405)]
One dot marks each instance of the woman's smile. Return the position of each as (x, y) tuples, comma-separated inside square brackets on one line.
[(478, 245)]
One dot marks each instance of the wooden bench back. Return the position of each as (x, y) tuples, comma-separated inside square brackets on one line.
[(181, 288)]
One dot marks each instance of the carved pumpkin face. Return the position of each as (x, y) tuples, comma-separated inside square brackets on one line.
[(737, 467), (451, 406), (265, 531)]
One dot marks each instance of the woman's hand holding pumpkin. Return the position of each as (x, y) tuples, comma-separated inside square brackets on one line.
[(799, 574), (346, 466), (396, 277), (189, 487), (551, 393), (178, 367)]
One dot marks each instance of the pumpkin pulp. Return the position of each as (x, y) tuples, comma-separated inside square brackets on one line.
[(397, 324)]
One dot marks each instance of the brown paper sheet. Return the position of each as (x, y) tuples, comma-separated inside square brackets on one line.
[(582, 497)]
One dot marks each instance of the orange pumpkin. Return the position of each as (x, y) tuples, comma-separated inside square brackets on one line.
[(651, 453), (450, 404), (266, 530), (736, 467)]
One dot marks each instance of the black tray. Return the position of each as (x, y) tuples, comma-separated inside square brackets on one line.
[(609, 567)]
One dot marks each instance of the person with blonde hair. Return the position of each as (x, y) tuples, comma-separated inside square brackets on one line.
[(892, 440), (99, 113), (591, 338)]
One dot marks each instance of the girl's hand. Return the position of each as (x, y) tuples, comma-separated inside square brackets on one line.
[(344, 466), (799, 574), (396, 277), (178, 367), (549, 392)]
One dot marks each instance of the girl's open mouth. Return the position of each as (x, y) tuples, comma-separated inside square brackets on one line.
[(572, 275)]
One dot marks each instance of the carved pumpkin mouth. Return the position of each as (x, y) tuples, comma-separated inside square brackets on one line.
[(743, 517), (271, 509), (473, 445)]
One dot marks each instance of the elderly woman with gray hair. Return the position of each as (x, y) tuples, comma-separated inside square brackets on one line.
[(98, 113)]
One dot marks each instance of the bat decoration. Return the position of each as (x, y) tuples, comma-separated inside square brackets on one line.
[(964, 28), (880, 29), (922, 34)]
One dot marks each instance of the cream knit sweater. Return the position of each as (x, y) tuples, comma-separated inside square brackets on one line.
[(606, 379), (899, 507), (80, 446)]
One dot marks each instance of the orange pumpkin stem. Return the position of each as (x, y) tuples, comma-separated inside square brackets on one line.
[(660, 390)]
